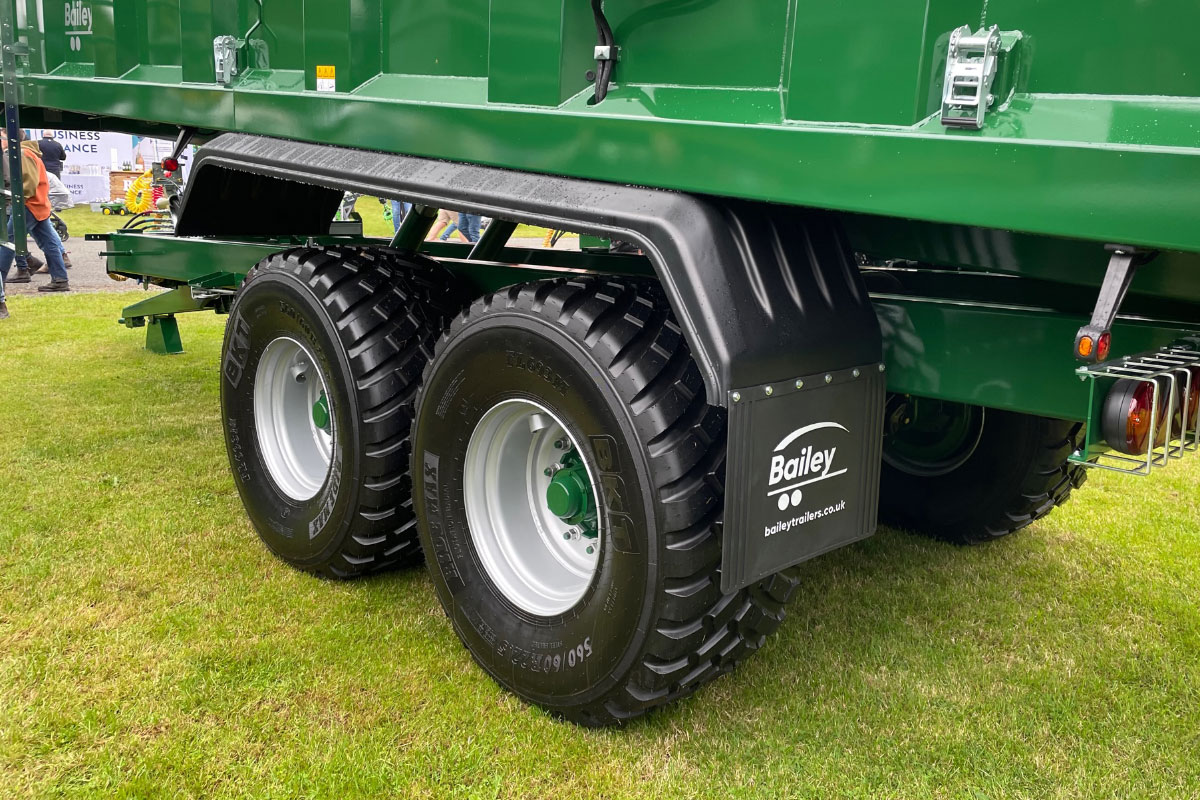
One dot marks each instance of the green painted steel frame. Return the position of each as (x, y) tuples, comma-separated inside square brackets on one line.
[(829, 106), (1005, 357), (1008, 357)]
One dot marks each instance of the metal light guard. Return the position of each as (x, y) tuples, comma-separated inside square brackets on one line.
[(1170, 365)]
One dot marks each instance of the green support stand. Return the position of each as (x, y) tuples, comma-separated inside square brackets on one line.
[(162, 336)]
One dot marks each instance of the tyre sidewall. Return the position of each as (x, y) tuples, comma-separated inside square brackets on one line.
[(982, 488), (274, 305), (578, 656)]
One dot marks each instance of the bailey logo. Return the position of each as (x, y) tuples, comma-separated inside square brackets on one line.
[(807, 465), (79, 22)]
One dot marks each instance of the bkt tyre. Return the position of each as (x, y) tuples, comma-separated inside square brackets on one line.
[(569, 498), (969, 475), (324, 349)]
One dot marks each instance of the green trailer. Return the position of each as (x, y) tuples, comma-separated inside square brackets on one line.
[(921, 262)]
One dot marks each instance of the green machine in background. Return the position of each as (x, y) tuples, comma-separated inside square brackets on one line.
[(921, 262)]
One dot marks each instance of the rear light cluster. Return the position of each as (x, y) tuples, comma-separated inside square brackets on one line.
[(1131, 416)]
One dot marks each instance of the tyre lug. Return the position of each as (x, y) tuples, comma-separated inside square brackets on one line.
[(300, 373)]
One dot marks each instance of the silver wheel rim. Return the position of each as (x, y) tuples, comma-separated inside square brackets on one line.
[(538, 562), (287, 389)]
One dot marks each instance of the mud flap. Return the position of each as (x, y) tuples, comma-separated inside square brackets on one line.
[(803, 470)]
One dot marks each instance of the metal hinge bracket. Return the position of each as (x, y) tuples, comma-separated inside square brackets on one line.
[(970, 70), (225, 59)]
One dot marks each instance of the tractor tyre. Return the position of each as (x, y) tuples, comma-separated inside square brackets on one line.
[(324, 350), (1001, 471), (570, 496)]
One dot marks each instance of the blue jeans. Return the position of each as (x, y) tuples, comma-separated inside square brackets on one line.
[(399, 211), (46, 237), (469, 225), (466, 224)]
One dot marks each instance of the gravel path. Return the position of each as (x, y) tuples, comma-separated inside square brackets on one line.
[(87, 273)]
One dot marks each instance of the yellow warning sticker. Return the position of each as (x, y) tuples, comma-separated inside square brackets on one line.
[(326, 79)]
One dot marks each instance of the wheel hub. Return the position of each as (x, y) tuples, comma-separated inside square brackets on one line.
[(534, 526), (931, 437), (293, 419)]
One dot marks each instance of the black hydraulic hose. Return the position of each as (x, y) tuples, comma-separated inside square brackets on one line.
[(604, 68)]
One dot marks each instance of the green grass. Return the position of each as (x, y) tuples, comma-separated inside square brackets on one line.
[(81, 220), (150, 647)]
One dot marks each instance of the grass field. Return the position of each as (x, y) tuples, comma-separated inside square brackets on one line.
[(150, 647)]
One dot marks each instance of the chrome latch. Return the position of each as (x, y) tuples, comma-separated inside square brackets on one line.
[(225, 57), (970, 70)]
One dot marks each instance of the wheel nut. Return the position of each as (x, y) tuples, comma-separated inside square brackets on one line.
[(300, 373), (590, 550)]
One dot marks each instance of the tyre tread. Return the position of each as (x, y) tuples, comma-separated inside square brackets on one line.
[(388, 308), (700, 633)]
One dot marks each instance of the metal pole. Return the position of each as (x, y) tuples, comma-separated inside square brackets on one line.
[(10, 48)]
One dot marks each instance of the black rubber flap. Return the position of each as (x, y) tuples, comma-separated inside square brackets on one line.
[(803, 473)]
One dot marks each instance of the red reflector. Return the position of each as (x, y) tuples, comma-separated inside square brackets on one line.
[(1103, 346), (1137, 426), (170, 164)]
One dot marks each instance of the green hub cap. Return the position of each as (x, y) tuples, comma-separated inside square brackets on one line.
[(320, 413), (531, 509), (569, 497)]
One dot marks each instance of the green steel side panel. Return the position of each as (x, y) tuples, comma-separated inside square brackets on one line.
[(895, 43), (436, 37), (1107, 47), (284, 39), (538, 56), (823, 105), (201, 21), (699, 43), (1016, 359), (344, 35), (114, 36)]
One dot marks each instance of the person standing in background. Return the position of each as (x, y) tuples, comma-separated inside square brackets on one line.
[(36, 188), (53, 154)]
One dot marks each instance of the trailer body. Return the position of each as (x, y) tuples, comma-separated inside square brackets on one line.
[(950, 243)]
